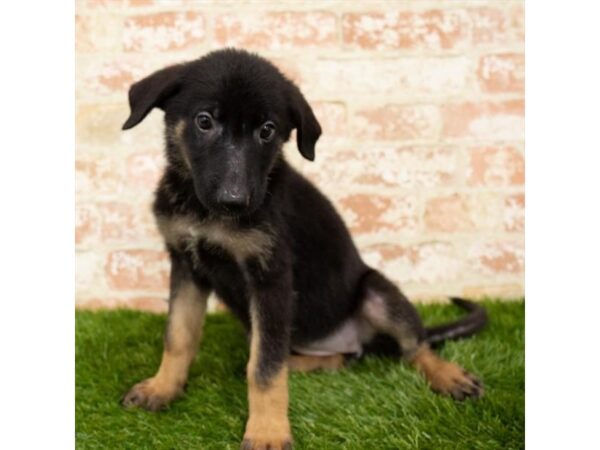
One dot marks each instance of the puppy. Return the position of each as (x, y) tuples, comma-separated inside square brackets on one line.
[(239, 221)]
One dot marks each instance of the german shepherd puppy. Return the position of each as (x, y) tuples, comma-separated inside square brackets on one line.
[(239, 221)]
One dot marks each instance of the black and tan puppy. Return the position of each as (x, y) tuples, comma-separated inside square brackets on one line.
[(239, 221)]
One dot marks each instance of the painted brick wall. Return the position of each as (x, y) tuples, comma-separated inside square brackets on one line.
[(422, 107)]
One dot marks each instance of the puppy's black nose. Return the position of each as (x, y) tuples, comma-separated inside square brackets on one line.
[(233, 201)]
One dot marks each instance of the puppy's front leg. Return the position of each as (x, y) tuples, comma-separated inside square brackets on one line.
[(268, 425), (187, 306)]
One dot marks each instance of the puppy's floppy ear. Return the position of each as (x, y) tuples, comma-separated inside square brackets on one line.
[(308, 129), (152, 92)]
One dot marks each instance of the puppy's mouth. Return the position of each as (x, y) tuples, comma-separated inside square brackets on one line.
[(231, 210), (228, 213)]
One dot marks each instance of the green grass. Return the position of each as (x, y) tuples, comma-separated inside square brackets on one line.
[(376, 403)]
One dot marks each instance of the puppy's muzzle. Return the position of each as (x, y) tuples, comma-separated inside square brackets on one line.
[(233, 199)]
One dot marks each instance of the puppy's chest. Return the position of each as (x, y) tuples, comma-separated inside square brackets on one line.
[(203, 240)]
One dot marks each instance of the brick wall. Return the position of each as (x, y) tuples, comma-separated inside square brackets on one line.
[(422, 107)]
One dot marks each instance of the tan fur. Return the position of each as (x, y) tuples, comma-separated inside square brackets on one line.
[(301, 363), (184, 333), (175, 134), (268, 425), (241, 244), (443, 376)]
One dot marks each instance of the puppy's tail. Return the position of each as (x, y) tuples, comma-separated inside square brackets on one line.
[(474, 321)]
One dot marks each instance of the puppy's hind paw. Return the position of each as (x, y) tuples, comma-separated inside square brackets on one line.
[(447, 378), (458, 383), (466, 386)]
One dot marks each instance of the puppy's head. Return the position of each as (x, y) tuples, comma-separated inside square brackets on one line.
[(227, 116)]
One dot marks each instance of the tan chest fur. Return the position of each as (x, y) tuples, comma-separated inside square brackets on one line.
[(185, 232)]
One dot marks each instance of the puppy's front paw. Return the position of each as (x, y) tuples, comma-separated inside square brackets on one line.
[(267, 444), (456, 382), (275, 435), (151, 394)]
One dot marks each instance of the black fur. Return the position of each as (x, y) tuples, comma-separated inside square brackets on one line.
[(467, 326), (313, 277)]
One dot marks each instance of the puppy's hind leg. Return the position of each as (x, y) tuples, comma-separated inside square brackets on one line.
[(309, 363), (390, 312)]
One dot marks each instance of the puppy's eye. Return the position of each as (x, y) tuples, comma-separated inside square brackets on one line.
[(267, 131), (204, 121)]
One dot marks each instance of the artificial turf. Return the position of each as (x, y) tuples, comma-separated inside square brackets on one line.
[(375, 403)]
